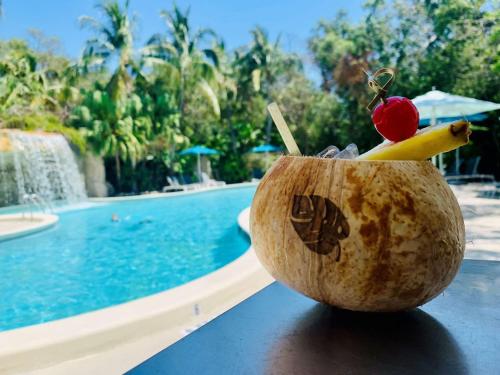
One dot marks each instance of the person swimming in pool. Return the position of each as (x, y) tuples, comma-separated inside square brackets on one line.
[(146, 220), (115, 218)]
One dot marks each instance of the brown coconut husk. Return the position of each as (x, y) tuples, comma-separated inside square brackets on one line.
[(359, 235)]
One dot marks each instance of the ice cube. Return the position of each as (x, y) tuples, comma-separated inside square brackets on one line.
[(329, 152), (350, 152)]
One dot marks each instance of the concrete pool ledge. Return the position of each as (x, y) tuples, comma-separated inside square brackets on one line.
[(17, 225), (115, 339), (157, 195)]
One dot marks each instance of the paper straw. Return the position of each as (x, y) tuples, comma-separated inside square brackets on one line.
[(283, 129)]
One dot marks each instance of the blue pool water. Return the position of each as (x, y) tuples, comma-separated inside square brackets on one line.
[(87, 262)]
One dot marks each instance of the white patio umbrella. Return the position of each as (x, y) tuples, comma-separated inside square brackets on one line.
[(436, 105)]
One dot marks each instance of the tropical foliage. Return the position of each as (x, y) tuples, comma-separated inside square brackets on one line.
[(138, 106)]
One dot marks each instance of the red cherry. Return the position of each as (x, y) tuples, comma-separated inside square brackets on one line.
[(396, 119)]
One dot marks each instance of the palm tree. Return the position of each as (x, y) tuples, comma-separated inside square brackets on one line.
[(113, 134), (260, 66), (113, 39), (113, 128), (180, 52), (263, 62), (227, 90)]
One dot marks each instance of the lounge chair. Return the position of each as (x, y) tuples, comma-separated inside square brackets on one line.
[(207, 181), (482, 185), (185, 180), (174, 185), (470, 175), (494, 192)]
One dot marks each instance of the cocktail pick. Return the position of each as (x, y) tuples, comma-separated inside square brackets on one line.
[(283, 129), (381, 91)]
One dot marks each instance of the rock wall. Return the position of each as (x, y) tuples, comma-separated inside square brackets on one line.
[(95, 176)]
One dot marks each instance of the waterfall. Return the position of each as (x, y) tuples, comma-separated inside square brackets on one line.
[(41, 164)]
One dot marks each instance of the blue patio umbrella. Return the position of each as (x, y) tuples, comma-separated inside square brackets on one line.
[(437, 106), (265, 148), (199, 150)]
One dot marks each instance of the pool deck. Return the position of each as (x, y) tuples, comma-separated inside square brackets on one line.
[(16, 225), (482, 223)]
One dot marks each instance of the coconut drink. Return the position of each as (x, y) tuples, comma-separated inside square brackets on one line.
[(382, 232)]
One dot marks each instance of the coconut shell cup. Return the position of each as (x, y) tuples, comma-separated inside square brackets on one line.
[(358, 235)]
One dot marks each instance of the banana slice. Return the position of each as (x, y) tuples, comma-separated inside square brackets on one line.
[(426, 143)]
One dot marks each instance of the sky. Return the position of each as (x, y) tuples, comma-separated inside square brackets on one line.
[(232, 19)]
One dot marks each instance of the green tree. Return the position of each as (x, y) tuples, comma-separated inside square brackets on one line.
[(23, 86), (191, 68), (241, 117), (160, 107), (260, 66), (314, 117), (108, 112), (113, 127), (113, 39), (29, 87)]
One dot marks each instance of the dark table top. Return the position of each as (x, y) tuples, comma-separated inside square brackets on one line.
[(279, 331)]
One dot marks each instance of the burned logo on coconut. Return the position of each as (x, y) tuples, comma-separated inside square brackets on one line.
[(319, 223)]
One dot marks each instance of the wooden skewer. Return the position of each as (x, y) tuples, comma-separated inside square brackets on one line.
[(285, 133)]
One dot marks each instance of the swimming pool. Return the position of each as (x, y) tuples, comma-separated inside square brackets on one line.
[(88, 262)]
